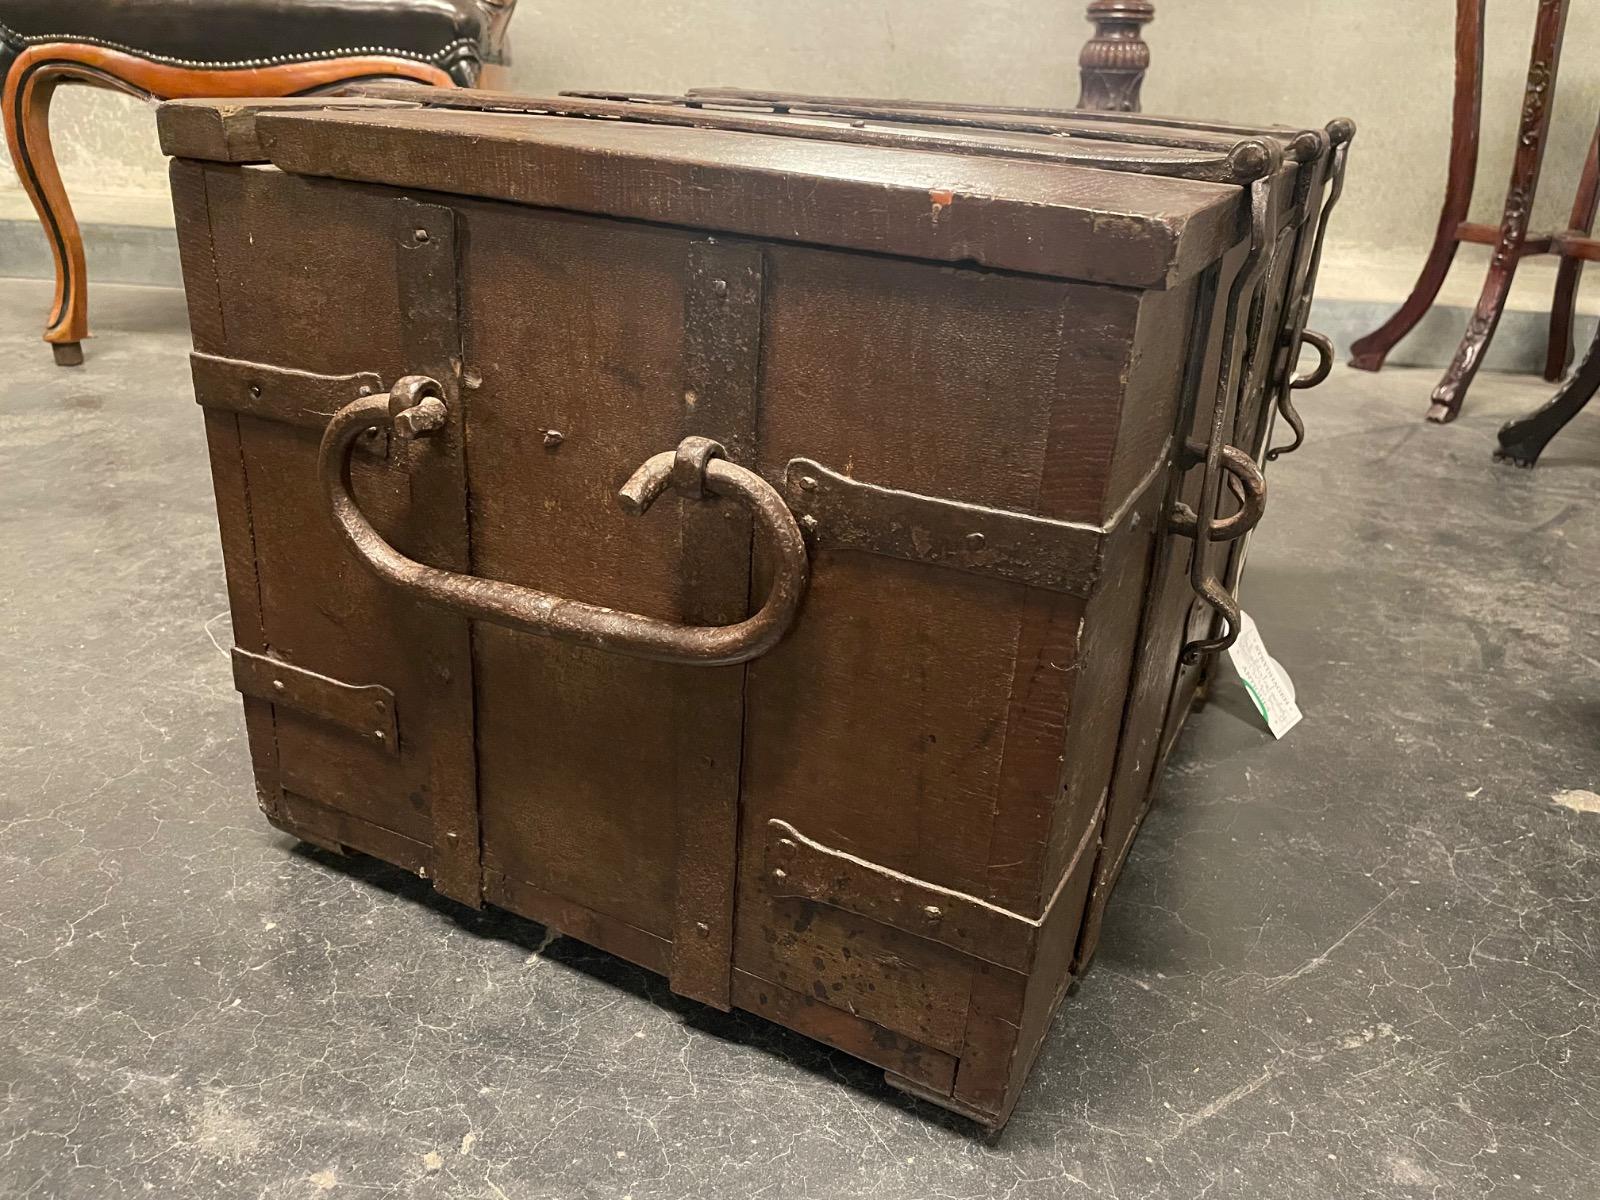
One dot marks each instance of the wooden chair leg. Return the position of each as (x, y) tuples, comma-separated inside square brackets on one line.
[(1538, 100), (1369, 353), (38, 70), (1522, 442), (27, 118), (1559, 356)]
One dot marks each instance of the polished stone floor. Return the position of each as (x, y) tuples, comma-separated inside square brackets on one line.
[(1359, 962)]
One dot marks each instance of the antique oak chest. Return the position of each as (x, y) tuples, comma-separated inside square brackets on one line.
[(774, 539)]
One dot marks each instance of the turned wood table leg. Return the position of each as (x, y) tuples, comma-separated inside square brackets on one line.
[(1559, 356), (1537, 102), (1114, 61), (1522, 441), (1369, 353)]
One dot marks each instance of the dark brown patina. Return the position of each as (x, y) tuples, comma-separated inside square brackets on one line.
[(949, 422)]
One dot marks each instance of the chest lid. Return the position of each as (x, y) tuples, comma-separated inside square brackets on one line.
[(1131, 201)]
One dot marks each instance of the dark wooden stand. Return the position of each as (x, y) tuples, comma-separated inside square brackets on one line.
[(1114, 61), (1522, 442), (1510, 239)]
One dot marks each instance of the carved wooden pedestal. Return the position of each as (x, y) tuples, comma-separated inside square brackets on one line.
[(1510, 239), (1114, 61)]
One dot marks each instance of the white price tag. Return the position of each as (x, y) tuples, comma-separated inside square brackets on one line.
[(1268, 683)]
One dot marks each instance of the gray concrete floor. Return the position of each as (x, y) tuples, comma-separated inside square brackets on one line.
[(1359, 962)]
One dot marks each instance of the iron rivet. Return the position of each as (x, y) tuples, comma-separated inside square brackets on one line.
[(719, 287), (420, 234), (975, 541), (808, 483), (553, 438), (379, 735), (809, 522), (364, 390), (277, 685), (255, 391), (785, 844), (779, 873), (702, 929), (1134, 523), (452, 835), (381, 706), (932, 913)]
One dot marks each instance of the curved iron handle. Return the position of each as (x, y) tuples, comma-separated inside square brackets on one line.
[(1251, 488), (415, 409), (1323, 345)]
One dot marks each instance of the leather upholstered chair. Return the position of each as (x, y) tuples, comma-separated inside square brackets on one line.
[(169, 49)]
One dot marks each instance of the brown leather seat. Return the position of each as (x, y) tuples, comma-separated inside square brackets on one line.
[(457, 35), (169, 49)]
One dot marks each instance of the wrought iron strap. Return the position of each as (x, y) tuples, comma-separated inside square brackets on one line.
[(799, 867), (845, 514), (271, 393), (367, 710)]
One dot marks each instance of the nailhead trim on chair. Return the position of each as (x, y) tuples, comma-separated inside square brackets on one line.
[(450, 50)]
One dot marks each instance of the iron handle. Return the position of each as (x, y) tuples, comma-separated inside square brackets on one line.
[(1251, 488), (415, 408), (1323, 345)]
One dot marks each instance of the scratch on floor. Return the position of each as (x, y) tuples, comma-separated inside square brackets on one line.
[(1311, 964), (1222, 1102)]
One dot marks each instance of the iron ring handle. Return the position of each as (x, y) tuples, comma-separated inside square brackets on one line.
[(1323, 345), (415, 408), (1252, 493)]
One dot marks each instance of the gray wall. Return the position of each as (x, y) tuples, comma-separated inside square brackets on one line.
[(1386, 63)]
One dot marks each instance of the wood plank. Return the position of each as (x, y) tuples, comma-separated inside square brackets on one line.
[(926, 1067), (300, 267), (224, 130), (202, 287), (1035, 217), (559, 914)]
